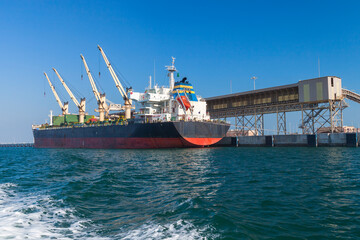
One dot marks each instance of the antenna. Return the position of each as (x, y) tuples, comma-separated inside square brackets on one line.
[(319, 65), (254, 78), (230, 87)]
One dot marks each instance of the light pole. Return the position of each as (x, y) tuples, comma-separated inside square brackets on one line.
[(254, 78)]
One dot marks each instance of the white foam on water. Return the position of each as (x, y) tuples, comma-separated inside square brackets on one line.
[(38, 217), (172, 231), (41, 217)]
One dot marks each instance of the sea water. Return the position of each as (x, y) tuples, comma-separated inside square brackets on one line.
[(208, 193)]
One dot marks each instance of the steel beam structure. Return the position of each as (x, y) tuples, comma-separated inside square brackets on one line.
[(325, 115), (320, 102), (313, 116), (289, 106), (249, 125), (281, 122)]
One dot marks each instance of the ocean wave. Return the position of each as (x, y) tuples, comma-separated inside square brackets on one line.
[(180, 229), (39, 217)]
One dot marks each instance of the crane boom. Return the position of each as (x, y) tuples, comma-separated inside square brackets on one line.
[(94, 88), (127, 101), (53, 90), (67, 89), (101, 100), (113, 74), (80, 105), (65, 107)]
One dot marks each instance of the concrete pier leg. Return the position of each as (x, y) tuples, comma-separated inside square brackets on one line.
[(351, 140), (312, 140)]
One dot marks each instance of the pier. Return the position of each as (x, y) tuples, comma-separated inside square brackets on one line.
[(321, 102)]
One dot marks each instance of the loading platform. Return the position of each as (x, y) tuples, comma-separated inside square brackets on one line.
[(321, 102)]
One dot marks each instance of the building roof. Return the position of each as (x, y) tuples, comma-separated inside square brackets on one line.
[(252, 92)]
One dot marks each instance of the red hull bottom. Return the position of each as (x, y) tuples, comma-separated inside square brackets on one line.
[(126, 143)]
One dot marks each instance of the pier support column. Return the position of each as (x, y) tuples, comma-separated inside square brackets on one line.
[(336, 115), (259, 124), (240, 124), (250, 125), (323, 115), (243, 124), (307, 121), (281, 123)]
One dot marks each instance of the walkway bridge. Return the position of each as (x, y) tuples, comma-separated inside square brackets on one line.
[(320, 101), (351, 95)]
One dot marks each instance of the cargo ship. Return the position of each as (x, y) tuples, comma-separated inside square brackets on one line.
[(167, 117)]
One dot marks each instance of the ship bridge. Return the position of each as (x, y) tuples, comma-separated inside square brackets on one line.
[(320, 101)]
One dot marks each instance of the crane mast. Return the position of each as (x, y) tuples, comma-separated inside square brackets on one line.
[(65, 107), (80, 105), (99, 97), (127, 101)]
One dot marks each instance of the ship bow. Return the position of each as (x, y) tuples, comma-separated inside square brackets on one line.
[(199, 134)]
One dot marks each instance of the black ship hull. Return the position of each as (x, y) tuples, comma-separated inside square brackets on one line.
[(132, 135)]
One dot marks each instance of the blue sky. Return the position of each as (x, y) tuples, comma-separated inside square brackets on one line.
[(214, 42)]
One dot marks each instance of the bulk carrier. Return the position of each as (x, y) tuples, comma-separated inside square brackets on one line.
[(167, 117)]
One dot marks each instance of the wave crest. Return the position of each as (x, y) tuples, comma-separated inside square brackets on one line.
[(178, 230), (39, 217)]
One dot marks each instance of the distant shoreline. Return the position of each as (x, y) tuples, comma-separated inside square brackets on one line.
[(16, 145)]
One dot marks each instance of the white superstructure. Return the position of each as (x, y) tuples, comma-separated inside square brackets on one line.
[(175, 103)]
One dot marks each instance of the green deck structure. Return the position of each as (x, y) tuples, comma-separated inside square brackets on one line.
[(68, 118)]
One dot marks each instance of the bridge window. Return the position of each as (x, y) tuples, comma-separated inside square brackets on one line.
[(219, 106), (332, 82), (288, 97), (262, 100), (239, 104)]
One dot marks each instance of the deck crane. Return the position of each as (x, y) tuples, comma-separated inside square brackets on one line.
[(80, 105), (127, 101), (101, 100), (65, 107)]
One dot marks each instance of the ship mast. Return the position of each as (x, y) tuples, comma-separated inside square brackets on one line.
[(80, 105), (171, 70), (65, 107)]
